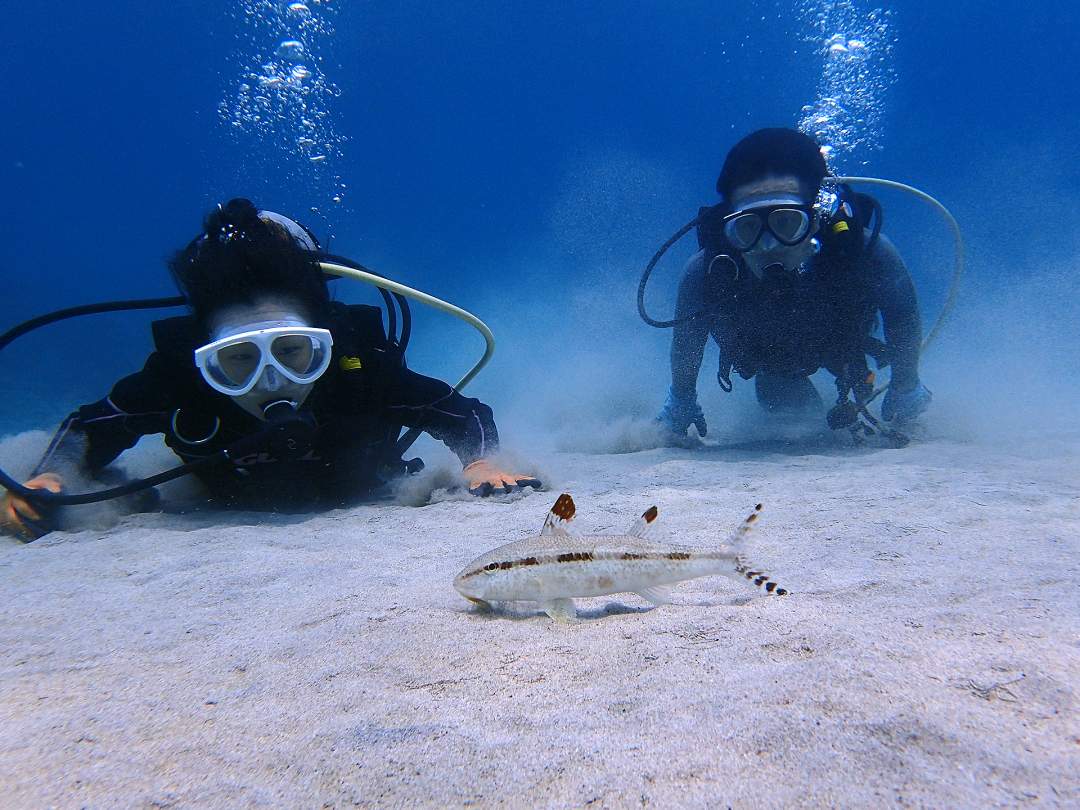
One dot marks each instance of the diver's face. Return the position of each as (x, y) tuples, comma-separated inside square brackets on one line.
[(769, 252), (272, 386)]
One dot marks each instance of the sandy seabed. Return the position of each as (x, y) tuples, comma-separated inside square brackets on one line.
[(929, 654)]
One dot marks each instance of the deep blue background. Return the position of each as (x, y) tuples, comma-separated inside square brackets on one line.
[(474, 127)]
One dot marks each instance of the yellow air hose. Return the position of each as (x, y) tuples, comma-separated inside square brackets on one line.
[(429, 300)]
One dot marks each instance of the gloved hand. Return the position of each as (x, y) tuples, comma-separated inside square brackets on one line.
[(904, 406), (19, 518), (678, 414), (484, 479)]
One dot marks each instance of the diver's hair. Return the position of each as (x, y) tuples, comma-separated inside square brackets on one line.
[(241, 257), (771, 152)]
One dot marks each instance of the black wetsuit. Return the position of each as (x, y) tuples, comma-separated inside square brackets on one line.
[(358, 406), (782, 334)]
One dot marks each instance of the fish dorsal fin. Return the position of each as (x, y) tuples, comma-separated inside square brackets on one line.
[(558, 519), (644, 527)]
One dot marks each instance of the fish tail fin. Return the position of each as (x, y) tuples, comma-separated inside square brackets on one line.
[(744, 568)]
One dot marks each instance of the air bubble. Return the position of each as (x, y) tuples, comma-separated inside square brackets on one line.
[(278, 106), (856, 44), (290, 49)]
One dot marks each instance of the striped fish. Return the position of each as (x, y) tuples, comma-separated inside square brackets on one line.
[(557, 565)]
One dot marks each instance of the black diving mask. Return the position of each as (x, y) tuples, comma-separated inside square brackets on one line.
[(789, 223)]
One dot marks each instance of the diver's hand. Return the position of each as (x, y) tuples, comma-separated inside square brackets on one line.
[(679, 413), (484, 479), (19, 518), (904, 406)]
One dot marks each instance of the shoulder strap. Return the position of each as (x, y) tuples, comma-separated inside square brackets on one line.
[(359, 332), (843, 236)]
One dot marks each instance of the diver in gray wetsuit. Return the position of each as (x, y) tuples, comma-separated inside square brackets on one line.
[(791, 278)]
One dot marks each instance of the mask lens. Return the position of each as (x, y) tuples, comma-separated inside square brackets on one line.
[(789, 225), (743, 230), (234, 366), (298, 353)]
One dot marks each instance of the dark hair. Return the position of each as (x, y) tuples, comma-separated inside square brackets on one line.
[(241, 257), (771, 152)]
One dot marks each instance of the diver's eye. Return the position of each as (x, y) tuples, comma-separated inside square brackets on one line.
[(296, 352)]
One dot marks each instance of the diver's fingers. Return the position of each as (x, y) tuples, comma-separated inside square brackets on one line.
[(535, 483), (17, 523), (483, 490), (23, 510)]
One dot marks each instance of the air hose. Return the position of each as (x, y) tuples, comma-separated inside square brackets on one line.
[(368, 277), (958, 241), (332, 265), (412, 434)]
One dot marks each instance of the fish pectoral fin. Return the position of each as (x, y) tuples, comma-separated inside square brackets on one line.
[(657, 594), (561, 610), (480, 603), (558, 519)]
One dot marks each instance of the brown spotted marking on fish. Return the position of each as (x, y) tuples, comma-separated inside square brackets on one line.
[(575, 556), (629, 555), (677, 555), (651, 514), (564, 507)]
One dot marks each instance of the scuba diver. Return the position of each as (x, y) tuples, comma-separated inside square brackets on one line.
[(308, 395), (791, 277)]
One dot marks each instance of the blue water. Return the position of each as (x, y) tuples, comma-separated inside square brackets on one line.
[(512, 157)]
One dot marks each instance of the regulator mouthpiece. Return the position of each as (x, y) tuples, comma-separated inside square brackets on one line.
[(280, 410)]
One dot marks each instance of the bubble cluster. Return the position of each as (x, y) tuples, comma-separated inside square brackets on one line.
[(280, 106), (855, 44)]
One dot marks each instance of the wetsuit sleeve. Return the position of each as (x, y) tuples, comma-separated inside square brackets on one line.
[(690, 336), (895, 297), (465, 425), (95, 434)]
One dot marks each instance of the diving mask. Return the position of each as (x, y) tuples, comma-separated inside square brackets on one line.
[(234, 364), (788, 223)]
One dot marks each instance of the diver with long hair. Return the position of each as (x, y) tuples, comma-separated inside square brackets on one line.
[(265, 356)]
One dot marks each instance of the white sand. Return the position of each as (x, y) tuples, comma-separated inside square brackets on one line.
[(928, 655)]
